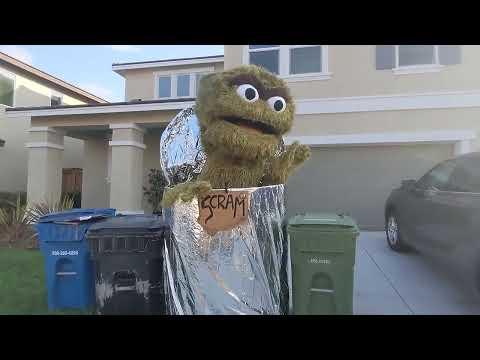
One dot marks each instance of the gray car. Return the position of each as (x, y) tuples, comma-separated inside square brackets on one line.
[(439, 215)]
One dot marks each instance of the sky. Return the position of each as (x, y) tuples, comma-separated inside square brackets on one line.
[(90, 66)]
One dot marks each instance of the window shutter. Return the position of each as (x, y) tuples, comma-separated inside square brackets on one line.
[(385, 57), (449, 54)]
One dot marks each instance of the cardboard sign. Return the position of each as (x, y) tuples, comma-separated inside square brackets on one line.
[(223, 210)]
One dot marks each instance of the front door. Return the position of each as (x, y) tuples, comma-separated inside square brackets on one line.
[(72, 184)]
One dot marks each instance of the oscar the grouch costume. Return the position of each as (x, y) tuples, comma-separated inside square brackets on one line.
[(243, 114)]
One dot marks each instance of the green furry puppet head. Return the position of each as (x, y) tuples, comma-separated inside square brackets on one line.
[(243, 112)]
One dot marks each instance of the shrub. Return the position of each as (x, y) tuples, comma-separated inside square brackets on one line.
[(154, 193)]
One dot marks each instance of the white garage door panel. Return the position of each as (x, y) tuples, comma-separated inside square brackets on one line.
[(359, 179)]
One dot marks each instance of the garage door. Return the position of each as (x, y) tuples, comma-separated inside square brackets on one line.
[(358, 180)]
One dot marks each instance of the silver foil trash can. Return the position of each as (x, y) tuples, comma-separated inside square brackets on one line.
[(237, 271)]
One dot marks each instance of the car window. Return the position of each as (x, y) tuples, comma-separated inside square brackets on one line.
[(466, 177), (437, 178)]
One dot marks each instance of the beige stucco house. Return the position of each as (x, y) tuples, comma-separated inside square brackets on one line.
[(373, 115), (23, 85)]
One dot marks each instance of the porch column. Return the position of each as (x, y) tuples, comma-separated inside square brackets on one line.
[(45, 160), (95, 181), (126, 177)]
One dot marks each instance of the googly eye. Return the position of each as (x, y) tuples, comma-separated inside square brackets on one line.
[(247, 92), (277, 103)]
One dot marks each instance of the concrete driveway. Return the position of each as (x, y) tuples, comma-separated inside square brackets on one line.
[(389, 283)]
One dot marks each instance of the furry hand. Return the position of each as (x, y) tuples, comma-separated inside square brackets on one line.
[(282, 167), (296, 154), (186, 192)]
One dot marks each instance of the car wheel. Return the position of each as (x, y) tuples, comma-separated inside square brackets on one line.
[(394, 238)]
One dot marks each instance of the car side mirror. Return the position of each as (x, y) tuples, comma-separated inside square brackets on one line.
[(408, 184)]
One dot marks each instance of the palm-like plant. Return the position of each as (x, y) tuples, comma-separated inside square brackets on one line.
[(8, 199), (16, 220), (15, 223), (37, 210)]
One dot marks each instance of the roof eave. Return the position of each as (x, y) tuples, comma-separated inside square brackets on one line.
[(99, 109), (11, 61), (157, 64)]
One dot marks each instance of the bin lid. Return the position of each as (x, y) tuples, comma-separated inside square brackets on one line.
[(77, 215), (128, 224), (324, 220)]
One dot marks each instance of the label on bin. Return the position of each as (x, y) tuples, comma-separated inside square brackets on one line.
[(64, 252), (223, 210), (315, 260)]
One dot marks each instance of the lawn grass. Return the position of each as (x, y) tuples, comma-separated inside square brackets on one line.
[(22, 284)]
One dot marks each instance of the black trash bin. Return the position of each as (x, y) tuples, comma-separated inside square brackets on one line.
[(127, 252)]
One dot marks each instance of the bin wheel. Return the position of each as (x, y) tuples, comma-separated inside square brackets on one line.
[(394, 237)]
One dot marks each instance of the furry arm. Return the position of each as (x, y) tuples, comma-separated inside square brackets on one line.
[(185, 191)]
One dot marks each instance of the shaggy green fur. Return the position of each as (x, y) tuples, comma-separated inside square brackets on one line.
[(186, 191), (239, 156)]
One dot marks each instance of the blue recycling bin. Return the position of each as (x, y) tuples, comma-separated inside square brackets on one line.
[(68, 266)]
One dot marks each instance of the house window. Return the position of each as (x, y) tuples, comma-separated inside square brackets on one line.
[(293, 62), (55, 100), (411, 55), (164, 87), (7, 89), (178, 85), (267, 56), (305, 59), (414, 59), (183, 85)]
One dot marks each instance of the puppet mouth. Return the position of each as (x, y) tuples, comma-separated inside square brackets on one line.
[(253, 125)]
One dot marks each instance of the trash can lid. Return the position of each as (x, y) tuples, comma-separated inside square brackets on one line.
[(77, 215), (324, 220), (128, 224)]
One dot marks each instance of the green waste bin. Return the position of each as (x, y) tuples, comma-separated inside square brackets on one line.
[(322, 252)]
